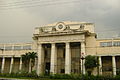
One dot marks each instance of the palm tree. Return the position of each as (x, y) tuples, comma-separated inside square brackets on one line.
[(29, 59), (25, 59), (32, 56)]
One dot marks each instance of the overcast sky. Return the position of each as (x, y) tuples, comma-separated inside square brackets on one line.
[(18, 18)]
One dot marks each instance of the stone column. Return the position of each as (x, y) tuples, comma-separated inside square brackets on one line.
[(83, 55), (3, 64), (67, 59), (100, 65), (114, 65), (40, 63), (53, 64), (11, 65), (20, 66)]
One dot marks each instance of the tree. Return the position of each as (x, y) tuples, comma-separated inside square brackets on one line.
[(29, 59), (90, 63)]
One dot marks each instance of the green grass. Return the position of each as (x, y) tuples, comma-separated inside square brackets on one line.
[(27, 78)]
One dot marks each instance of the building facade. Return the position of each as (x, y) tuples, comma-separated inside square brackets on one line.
[(60, 47)]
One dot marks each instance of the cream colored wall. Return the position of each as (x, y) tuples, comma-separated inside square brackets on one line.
[(90, 45), (16, 53), (61, 38), (110, 50)]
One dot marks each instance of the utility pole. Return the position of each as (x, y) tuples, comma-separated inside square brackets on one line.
[(82, 58)]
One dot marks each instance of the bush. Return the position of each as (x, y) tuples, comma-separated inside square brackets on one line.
[(20, 74), (33, 75)]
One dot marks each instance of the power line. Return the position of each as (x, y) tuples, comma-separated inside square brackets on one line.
[(23, 3), (41, 5)]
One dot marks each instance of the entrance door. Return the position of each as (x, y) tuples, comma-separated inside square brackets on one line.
[(47, 68)]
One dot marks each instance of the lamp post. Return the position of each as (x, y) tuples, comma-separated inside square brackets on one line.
[(82, 58)]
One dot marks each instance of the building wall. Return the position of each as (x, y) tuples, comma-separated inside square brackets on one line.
[(91, 45), (74, 33), (108, 50)]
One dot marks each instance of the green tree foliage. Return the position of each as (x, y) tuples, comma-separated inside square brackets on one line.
[(90, 63), (29, 58)]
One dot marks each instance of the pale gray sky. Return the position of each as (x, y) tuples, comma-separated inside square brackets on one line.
[(18, 18)]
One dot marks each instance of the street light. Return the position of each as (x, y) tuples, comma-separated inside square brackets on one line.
[(82, 58)]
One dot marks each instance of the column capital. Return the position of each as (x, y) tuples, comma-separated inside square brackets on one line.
[(53, 43), (67, 42)]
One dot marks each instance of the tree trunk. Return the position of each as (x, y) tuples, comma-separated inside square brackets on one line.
[(30, 66)]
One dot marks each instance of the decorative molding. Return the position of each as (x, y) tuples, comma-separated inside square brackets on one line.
[(60, 26)]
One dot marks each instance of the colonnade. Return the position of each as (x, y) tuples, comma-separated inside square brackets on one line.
[(11, 64), (53, 60), (113, 65)]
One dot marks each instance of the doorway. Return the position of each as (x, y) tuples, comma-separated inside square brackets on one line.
[(47, 68)]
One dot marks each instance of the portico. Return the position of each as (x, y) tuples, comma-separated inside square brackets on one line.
[(61, 46), (61, 58)]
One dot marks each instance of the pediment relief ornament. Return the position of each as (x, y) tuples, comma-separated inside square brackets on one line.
[(60, 26), (41, 30), (81, 27), (53, 29)]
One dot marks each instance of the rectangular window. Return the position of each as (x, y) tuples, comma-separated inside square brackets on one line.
[(8, 47), (17, 47), (116, 43), (27, 47), (106, 44)]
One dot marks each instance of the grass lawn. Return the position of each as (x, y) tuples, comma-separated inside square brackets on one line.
[(21, 78)]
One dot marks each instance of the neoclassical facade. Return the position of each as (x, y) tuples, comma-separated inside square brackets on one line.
[(60, 47)]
